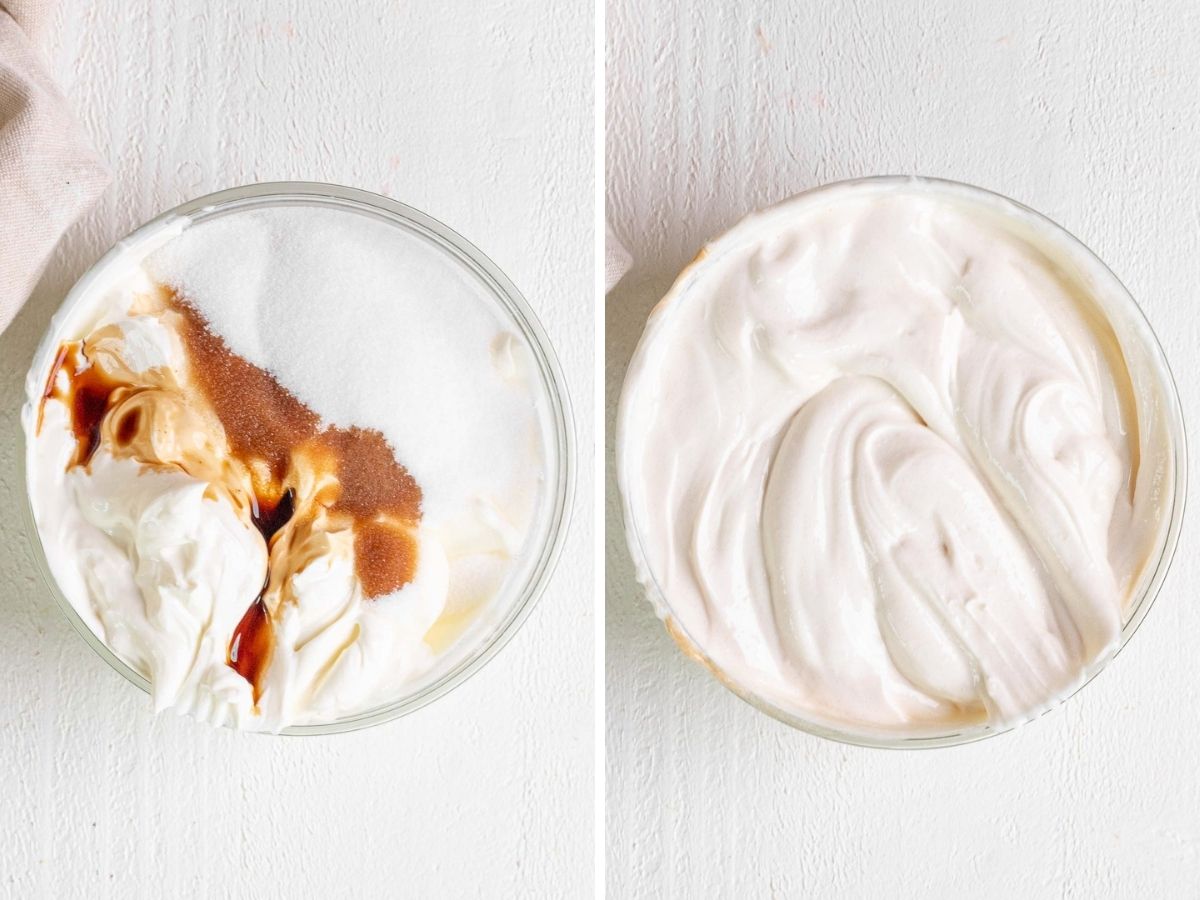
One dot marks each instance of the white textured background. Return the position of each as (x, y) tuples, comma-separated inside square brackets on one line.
[(480, 113), (1086, 111)]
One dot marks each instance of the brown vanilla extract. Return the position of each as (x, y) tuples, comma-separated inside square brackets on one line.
[(351, 475)]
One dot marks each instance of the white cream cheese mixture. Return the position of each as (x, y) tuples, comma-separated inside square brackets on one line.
[(887, 463)]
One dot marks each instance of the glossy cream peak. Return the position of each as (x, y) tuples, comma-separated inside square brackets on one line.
[(888, 464)]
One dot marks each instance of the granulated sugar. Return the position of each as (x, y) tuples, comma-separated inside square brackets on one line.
[(373, 327)]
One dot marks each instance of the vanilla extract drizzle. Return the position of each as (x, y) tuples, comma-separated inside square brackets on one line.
[(294, 477)]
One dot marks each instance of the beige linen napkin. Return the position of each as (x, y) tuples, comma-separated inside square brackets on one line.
[(616, 259), (49, 172)]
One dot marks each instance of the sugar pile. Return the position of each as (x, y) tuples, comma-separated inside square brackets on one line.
[(373, 327)]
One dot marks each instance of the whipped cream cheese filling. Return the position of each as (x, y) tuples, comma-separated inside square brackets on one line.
[(152, 517), (887, 463)]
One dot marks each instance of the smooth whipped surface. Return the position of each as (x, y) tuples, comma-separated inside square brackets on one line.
[(368, 327), (887, 462)]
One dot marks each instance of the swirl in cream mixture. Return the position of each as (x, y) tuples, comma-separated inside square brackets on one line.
[(890, 464)]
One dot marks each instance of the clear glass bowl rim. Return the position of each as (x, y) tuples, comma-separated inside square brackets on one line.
[(1152, 583), (510, 300)]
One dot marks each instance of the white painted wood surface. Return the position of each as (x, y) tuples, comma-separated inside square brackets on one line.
[(480, 113), (1085, 111)]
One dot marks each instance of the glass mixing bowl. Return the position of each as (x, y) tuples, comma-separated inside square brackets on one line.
[(531, 572), (1130, 324)]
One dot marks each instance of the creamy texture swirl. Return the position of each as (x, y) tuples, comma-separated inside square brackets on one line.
[(888, 462)]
